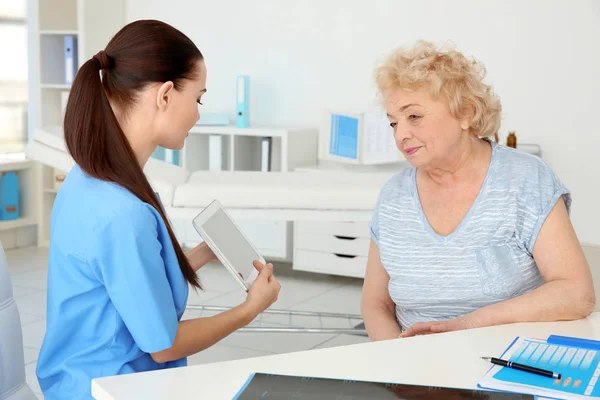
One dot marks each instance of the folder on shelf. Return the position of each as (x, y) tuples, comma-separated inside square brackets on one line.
[(242, 118), (70, 43), (265, 154), (576, 359)]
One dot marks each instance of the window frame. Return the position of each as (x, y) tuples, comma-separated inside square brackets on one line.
[(17, 146)]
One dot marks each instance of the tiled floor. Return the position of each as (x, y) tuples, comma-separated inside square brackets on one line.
[(300, 291)]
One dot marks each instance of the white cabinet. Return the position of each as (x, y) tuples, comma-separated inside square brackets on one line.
[(337, 248)]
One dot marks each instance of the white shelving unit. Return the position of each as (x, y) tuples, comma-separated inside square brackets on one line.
[(240, 149), (93, 23)]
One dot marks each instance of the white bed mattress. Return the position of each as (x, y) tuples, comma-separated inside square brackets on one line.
[(282, 190)]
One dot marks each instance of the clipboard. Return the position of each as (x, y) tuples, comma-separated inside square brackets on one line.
[(576, 359)]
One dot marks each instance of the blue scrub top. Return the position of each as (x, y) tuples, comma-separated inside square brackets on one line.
[(115, 289)]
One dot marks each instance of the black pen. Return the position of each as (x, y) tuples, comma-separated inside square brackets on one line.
[(521, 367)]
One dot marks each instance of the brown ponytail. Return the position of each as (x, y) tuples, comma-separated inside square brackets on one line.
[(141, 53)]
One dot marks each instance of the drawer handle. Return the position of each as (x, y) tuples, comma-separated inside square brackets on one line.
[(345, 237), (343, 255)]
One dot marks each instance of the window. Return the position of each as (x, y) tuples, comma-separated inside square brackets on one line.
[(13, 76)]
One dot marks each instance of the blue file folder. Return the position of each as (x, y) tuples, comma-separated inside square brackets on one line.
[(70, 43), (242, 116), (9, 196)]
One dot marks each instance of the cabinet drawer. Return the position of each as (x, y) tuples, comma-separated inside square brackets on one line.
[(330, 263), (350, 229), (354, 246)]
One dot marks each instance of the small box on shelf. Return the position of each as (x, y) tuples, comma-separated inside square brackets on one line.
[(59, 177)]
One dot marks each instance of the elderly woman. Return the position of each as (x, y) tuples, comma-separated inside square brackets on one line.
[(474, 233)]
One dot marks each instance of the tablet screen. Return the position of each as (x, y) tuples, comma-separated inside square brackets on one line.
[(231, 242)]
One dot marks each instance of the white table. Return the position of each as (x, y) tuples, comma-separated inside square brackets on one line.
[(450, 359)]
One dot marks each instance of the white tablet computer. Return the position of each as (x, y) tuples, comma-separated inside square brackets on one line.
[(228, 242)]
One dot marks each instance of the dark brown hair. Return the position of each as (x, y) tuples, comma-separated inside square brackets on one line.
[(141, 53)]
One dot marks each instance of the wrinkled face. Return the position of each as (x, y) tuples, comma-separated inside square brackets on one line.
[(424, 130), (181, 112)]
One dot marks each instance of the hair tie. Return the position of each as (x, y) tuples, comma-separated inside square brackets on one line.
[(102, 59)]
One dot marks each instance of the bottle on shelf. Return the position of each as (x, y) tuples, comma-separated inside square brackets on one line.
[(511, 140)]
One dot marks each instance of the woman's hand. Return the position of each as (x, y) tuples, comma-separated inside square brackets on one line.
[(264, 291), (426, 328)]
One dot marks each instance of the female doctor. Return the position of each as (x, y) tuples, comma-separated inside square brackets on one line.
[(117, 277)]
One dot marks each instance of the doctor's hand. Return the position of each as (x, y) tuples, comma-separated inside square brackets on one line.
[(264, 290)]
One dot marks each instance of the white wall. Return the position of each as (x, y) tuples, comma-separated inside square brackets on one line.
[(543, 58)]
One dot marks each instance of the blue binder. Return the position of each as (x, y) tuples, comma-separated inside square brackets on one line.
[(242, 117), (9, 196), (70, 44)]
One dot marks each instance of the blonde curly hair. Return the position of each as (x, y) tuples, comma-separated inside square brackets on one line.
[(447, 75)]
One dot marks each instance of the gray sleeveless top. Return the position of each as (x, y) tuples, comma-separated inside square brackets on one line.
[(487, 259)]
